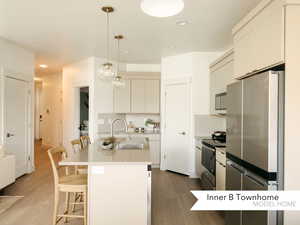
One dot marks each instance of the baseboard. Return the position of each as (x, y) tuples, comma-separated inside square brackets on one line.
[(155, 166), (194, 176)]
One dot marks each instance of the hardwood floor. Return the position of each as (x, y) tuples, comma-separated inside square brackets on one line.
[(171, 198)]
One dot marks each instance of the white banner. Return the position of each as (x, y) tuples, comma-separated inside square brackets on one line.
[(247, 200)]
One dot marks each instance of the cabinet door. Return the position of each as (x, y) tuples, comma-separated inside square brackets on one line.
[(260, 43), (138, 96), (122, 98), (268, 36), (152, 96), (243, 52), (220, 176), (213, 93), (155, 152)]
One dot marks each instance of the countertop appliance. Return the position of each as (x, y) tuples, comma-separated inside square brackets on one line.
[(219, 136), (255, 142), (220, 101)]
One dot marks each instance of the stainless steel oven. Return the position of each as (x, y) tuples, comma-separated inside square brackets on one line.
[(209, 163)]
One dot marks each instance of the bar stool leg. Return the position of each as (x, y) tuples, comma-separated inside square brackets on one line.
[(67, 205), (56, 202), (85, 207), (75, 199)]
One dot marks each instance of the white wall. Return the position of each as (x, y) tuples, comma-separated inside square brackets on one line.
[(193, 66), (51, 109), (76, 75), (143, 67), (19, 63)]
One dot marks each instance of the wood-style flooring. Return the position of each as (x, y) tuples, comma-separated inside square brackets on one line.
[(171, 198)]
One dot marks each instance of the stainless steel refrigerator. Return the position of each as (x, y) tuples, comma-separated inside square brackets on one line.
[(255, 142)]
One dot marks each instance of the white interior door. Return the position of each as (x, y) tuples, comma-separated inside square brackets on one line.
[(16, 95), (177, 118)]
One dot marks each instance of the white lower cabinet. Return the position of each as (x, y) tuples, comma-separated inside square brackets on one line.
[(155, 152), (220, 170), (7, 170), (220, 176)]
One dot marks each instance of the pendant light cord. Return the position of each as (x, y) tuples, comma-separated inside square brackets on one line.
[(107, 36), (118, 56)]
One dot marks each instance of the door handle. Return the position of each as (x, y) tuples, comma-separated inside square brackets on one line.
[(8, 135), (182, 133)]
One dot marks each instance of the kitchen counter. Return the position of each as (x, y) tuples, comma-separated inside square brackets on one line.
[(119, 184), (117, 133), (95, 155)]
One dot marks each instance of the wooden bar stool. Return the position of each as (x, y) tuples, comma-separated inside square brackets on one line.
[(77, 146), (67, 184), (85, 141)]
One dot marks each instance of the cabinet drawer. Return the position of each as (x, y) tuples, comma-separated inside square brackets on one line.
[(221, 156)]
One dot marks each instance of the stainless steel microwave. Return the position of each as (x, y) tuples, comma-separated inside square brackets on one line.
[(220, 101)]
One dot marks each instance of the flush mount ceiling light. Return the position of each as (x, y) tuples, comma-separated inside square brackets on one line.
[(44, 66), (162, 8), (107, 68)]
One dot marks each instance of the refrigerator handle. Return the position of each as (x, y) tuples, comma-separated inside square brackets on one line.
[(253, 179)]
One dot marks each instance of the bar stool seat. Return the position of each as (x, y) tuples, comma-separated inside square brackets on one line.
[(78, 180)]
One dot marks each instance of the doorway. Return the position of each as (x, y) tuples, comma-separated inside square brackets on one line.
[(177, 127), (16, 119), (84, 111)]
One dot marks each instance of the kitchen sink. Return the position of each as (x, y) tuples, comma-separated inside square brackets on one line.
[(132, 144)]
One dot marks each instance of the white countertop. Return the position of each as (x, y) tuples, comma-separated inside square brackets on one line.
[(147, 132), (95, 155)]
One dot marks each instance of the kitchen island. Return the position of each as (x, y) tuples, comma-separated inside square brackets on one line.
[(119, 184)]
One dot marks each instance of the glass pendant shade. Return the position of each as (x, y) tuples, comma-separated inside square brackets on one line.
[(107, 70), (162, 8), (118, 81)]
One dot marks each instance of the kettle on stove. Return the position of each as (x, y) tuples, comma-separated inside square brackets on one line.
[(219, 136)]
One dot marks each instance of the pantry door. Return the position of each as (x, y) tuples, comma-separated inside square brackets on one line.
[(177, 127)]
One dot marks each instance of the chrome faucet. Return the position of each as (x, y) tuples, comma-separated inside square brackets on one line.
[(112, 126)]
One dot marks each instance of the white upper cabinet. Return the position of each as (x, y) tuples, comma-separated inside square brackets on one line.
[(152, 96), (221, 74), (137, 96), (122, 98), (145, 95), (259, 39)]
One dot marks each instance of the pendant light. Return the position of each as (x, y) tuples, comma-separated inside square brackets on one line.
[(117, 80), (106, 70), (162, 8)]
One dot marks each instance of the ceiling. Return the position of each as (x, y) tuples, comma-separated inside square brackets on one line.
[(64, 31)]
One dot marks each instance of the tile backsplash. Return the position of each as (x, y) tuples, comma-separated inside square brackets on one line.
[(205, 125), (138, 120)]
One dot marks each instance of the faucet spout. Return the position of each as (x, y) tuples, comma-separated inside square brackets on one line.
[(112, 126)]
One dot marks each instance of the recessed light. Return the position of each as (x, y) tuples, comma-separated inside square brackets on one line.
[(44, 66), (182, 22)]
